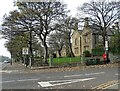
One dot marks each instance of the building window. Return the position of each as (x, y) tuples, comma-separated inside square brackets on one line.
[(76, 41), (76, 51), (87, 39)]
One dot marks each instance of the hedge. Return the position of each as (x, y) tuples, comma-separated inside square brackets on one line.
[(98, 51), (65, 60)]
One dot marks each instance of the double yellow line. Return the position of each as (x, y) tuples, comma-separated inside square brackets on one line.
[(106, 85)]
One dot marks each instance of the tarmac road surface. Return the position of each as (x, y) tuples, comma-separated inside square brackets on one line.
[(16, 78)]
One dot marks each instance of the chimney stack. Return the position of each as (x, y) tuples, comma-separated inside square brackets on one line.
[(86, 22)]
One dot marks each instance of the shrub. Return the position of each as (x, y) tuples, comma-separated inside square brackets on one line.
[(68, 54), (86, 53), (98, 51)]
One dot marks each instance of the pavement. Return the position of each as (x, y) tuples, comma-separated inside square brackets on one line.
[(21, 67), (15, 67)]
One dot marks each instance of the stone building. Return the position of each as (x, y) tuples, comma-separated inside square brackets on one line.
[(88, 38), (85, 39)]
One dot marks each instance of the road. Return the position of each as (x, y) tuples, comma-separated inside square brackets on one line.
[(77, 79)]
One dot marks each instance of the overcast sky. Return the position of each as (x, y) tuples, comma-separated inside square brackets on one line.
[(7, 5)]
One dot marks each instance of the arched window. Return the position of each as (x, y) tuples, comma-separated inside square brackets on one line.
[(76, 41)]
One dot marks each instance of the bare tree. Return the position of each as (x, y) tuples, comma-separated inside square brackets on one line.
[(102, 13), (46, 15), (57, 41), (39, 18), (69, 24)]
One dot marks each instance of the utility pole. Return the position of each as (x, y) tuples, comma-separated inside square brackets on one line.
[(11, 49)]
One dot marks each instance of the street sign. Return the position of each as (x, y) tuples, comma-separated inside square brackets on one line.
[(104, 56), (25, 51), (106, 45)]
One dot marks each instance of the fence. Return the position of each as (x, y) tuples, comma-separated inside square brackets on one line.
[(74, 61)]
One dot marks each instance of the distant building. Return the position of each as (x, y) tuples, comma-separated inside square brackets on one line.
[(87, 39)]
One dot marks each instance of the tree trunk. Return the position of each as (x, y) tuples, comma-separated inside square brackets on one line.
[(11, 57), (70, 48), (72, 54), (45, 53), (103, 40), (31, 51), (59, 53)]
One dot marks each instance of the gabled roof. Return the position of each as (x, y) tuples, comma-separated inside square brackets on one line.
[(96, 30)]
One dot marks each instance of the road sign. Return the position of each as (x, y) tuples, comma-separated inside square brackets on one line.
[(104, 56), (106, 45), (25, 51)]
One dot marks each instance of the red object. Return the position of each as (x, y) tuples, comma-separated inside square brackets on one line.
[(104, 56)]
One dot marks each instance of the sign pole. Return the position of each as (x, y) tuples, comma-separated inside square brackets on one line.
[(106, 51), (25, 52)]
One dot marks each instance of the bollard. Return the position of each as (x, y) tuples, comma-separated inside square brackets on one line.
[(83, 62), (82, 59)]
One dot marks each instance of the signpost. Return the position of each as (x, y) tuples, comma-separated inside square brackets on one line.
[(25, 51), (106, 51), (104, 56), (106, 45), (51, 60)]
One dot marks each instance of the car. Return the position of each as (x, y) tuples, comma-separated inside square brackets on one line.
[(6, 61)]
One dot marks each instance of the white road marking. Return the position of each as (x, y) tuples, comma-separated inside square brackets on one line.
[(19, 80), (8, 71), (7, 81), (62, 82), (84, 74), (45, 84), (117, 74), (74, 75), (5, 71), (26, 79), (95, 73)]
